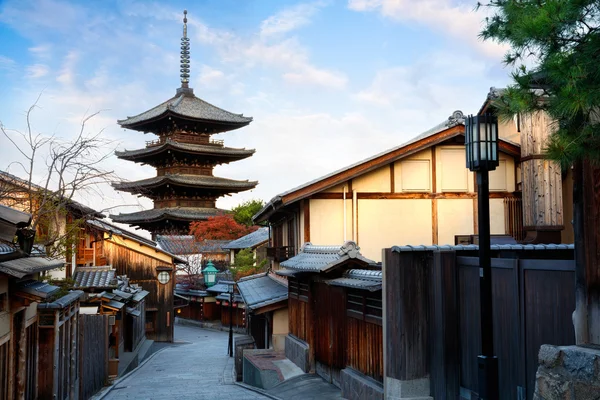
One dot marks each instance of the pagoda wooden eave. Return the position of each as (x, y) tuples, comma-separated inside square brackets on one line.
[(217, 154), (217, 186)]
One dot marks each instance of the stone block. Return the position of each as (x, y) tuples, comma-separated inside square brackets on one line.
[(568, 372), (298, 352), (357, 386), (241, 343)]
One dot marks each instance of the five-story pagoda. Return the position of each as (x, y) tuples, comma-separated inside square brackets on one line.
[(184, 155)]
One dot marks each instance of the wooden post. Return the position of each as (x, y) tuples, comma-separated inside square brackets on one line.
[(542, 183), (21, 356), (406, 286), (586, 215), (73, 353)]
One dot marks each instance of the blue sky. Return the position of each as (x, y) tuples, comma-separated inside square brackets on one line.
[(327, 82)]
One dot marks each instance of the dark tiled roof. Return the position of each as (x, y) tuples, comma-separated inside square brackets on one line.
[(261, 290), (177, 213), (218, 288), (359, 279), (323, 258), (187, 244), (95, 277), (188, 106), (64, 301), (106, 227), (197, 181), (37, 288), (6, 248), (250, 241), (29, 265), (196, 149), (225, 297), (474, 247), (191, 292), (14, 217), (15, 180)]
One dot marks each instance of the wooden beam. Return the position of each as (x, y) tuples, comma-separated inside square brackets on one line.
[(392, 179), (372, 164), (433, 171), (413, 195), (307, 219), (434, 222)]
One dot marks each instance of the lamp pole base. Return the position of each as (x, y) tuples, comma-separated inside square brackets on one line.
[(488, 377)]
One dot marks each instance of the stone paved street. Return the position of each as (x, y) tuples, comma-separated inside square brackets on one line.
[(195, 367)]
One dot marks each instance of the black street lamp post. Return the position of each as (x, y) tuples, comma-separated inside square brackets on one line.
[(230, 285), (481, 144)]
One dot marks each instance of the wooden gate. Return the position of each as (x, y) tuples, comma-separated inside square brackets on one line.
[(532, 305)]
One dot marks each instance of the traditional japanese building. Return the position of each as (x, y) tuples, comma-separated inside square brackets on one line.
[(184, 155)]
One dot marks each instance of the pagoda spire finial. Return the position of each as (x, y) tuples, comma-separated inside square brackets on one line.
[(185, 54)]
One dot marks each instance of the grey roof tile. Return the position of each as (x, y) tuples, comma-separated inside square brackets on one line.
[(323, 258), (188, 106), (29, 265), (203, 149), (187, 244), (250, 241), (474, 247), (95, 277), (37, 288), (199, 181), (157, 214), (359, 279), (262, 290)]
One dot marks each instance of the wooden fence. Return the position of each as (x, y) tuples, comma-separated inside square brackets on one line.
[(432, 316), (532, 305), (93, 339)]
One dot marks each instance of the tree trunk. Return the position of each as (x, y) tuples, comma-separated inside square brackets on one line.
[(586, 215)]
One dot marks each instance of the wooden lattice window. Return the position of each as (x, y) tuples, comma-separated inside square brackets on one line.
[(298, 289), (366, 306)]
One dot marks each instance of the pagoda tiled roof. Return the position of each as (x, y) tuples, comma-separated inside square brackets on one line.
[(187, 106), (198, 181), (175, 213), (210, 150)]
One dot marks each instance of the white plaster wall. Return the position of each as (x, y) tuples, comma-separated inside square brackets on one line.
[(455, 217), (386, 223)]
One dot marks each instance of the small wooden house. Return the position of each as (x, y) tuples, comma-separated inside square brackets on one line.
[(335, 314), (144, 263), (256, 241), (266, 299)]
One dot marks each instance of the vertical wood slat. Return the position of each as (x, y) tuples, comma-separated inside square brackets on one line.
[(444, 329), (306, 220), (406, 314), (93, 358)]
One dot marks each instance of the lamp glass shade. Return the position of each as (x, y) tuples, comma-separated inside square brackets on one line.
[(481, 142), (210, 274)]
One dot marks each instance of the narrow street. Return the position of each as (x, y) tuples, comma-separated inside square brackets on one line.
[(196, 367)]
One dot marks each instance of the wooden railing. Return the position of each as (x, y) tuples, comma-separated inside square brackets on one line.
[(186, 139), (85, 256), (281, 253)]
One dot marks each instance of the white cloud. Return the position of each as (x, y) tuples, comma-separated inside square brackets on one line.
[(7, 63), (319, 77), (285, 54), (37, 71), (290, 19), (457, 20)]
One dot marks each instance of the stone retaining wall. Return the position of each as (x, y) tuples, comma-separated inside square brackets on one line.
[(356, 386), (568, 372), (298, 352)]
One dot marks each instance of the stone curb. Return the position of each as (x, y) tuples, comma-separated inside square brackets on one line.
[(107, 389), (257, 390)]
